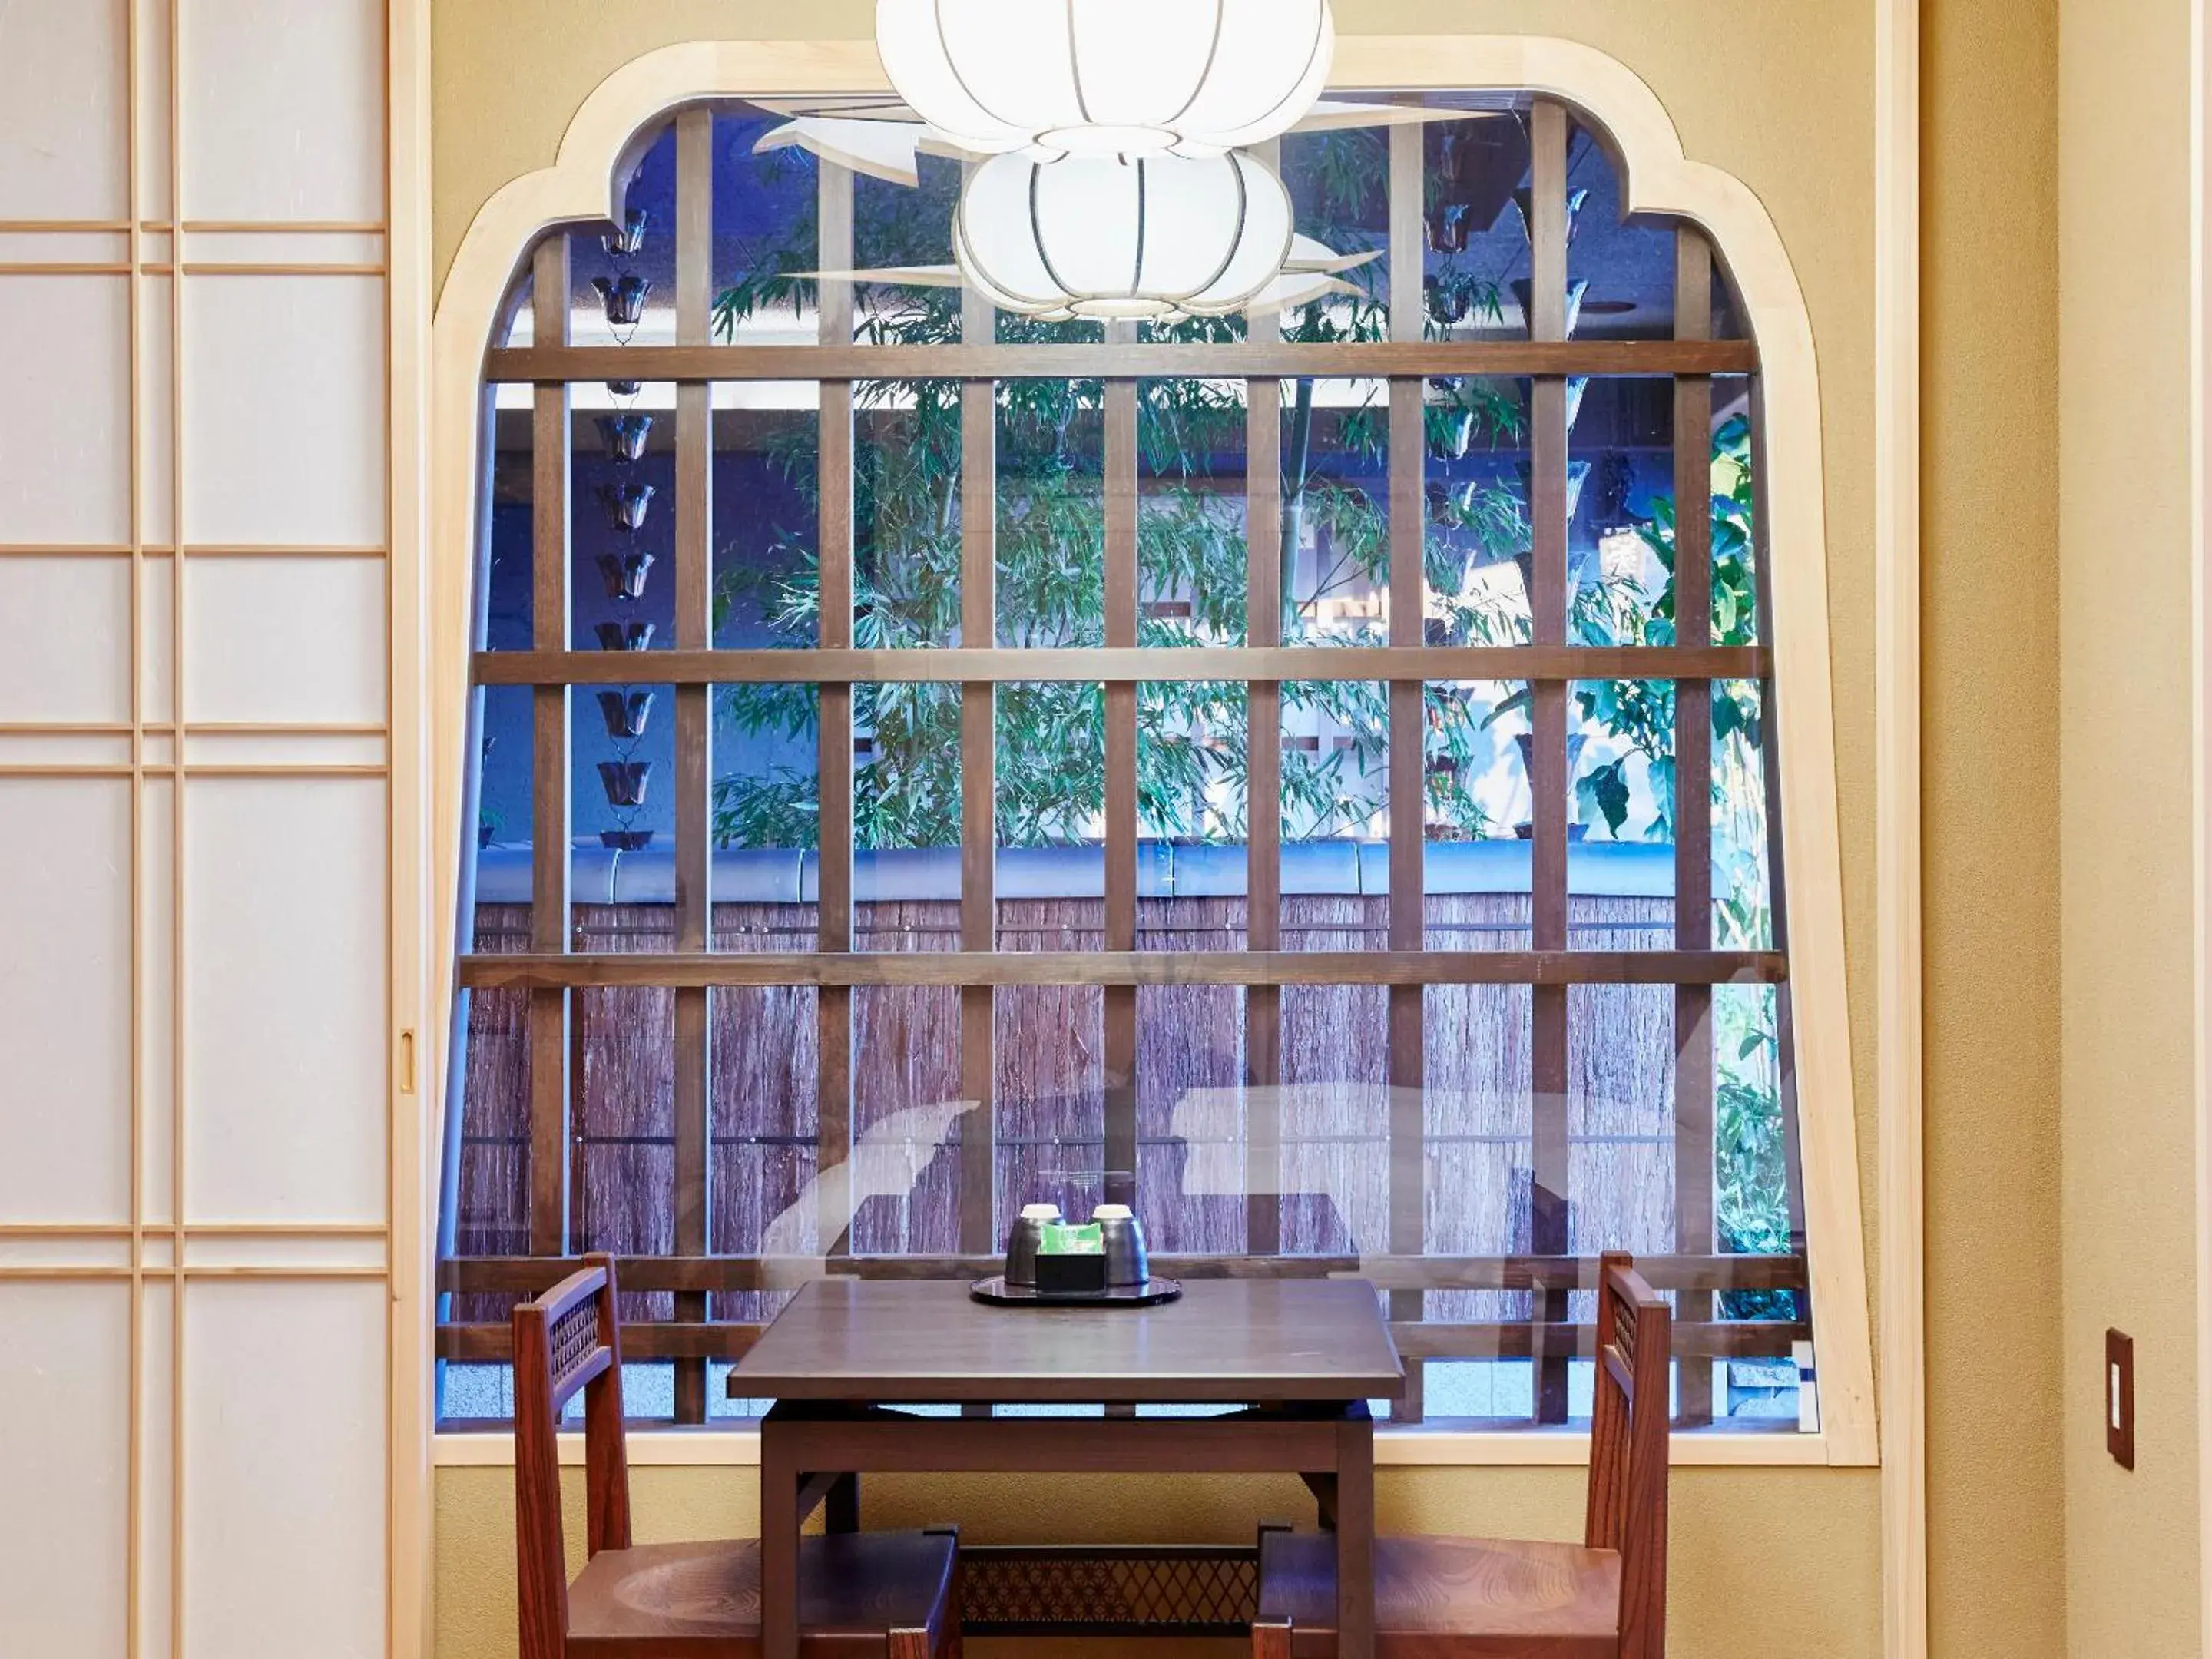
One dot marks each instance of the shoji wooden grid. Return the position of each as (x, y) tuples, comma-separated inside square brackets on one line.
[(196, 1242), (1401, 1263)]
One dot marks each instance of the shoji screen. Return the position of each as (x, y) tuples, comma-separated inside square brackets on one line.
[(195, 829)]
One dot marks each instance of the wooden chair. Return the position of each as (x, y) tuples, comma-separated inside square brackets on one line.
[(1464, 1598), (884, 1595)]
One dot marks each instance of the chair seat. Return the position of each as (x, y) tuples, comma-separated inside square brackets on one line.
[(1443, 1598), (704, 1600)]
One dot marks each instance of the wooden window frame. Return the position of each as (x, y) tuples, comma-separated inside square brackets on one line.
[(1635, 126)]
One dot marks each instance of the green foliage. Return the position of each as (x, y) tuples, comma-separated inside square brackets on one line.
[(1194, 561)]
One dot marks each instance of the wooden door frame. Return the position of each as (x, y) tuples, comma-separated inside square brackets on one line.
[(1900, 1115), (2200, 470)]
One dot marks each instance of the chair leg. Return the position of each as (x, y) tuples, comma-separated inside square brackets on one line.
[(948, 1643), (1272, 1641)]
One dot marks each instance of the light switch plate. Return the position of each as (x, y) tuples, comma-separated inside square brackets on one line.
[(2120, 1398)]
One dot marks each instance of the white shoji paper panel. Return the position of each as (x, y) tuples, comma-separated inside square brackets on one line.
[(102, 1251), (64, 154), (156, 1462), (363, 1250), (65, 1446), (67, 654), (284, 1406), (157, 641), (69, 247), (283, 110), (285, 1006), (291, 641), (65, 422), (154, 110), (157, 459), (157, 1019), (284, 400), (65, 1000)]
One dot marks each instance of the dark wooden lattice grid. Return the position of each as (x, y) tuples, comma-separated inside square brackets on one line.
[(554, 974)]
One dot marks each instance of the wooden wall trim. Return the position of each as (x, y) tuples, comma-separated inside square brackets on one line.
[(421, 950), (1659, 180), (2200, 537), (1900, 1137)]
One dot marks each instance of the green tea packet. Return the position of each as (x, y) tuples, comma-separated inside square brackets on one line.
[(1067, 1238)]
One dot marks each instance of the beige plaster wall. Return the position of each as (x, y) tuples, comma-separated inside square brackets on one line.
[(2124, 725), (1753, 1575), (1989, 619), (1782, 95)]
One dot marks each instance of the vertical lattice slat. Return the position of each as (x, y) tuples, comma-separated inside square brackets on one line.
[(695, 731), (1548, 783), (1694, 1077), (549, 816), (1263, 814), (1408, 453), (1120, 1012), (834, 758), (1770, 727), (979, 787)]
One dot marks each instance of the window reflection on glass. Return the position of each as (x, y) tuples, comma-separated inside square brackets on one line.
[(1262, 1115)]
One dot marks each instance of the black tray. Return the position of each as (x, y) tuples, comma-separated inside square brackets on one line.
[(999, 1294)]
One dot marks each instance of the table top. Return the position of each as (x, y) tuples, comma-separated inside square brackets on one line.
[(1225, 1342)]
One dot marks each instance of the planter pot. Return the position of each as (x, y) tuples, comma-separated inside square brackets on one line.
[(622, 298), (624, 388), (627, 506), (625, 714), (623, 244), (626, 841), (625, 781), (624, 436), (624, 637), (625, 573)]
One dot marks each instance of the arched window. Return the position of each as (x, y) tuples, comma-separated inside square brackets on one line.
[(1312, 775)]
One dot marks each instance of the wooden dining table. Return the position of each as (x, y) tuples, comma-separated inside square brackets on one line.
[(1295, 1360)]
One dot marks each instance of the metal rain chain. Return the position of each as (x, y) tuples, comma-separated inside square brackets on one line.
[(628, 501)]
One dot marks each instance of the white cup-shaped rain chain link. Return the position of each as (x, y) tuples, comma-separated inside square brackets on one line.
[(628, 501)]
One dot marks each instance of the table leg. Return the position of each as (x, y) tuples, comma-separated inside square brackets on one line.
[(840, 1511), (1355, 1535), (780, 1481)]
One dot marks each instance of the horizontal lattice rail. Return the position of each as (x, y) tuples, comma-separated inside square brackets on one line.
[(990, 665), (969, 967), (1742, 1338), (1356, 360)]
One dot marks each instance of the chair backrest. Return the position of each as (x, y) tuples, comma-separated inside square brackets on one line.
[(1629, 1449), (566, 1340)]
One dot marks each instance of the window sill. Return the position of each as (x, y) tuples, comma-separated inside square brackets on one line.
[(1393, 1449)]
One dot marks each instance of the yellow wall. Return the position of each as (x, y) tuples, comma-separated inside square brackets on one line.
[(1782, 95), (1749, 1568), (2122, 718), (1989, 617)]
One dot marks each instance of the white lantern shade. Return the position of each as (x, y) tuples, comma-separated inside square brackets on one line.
[(1107, 78), (1092, 236)]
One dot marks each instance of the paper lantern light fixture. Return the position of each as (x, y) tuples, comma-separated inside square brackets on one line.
[(1107, 78), (1093, 236)]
